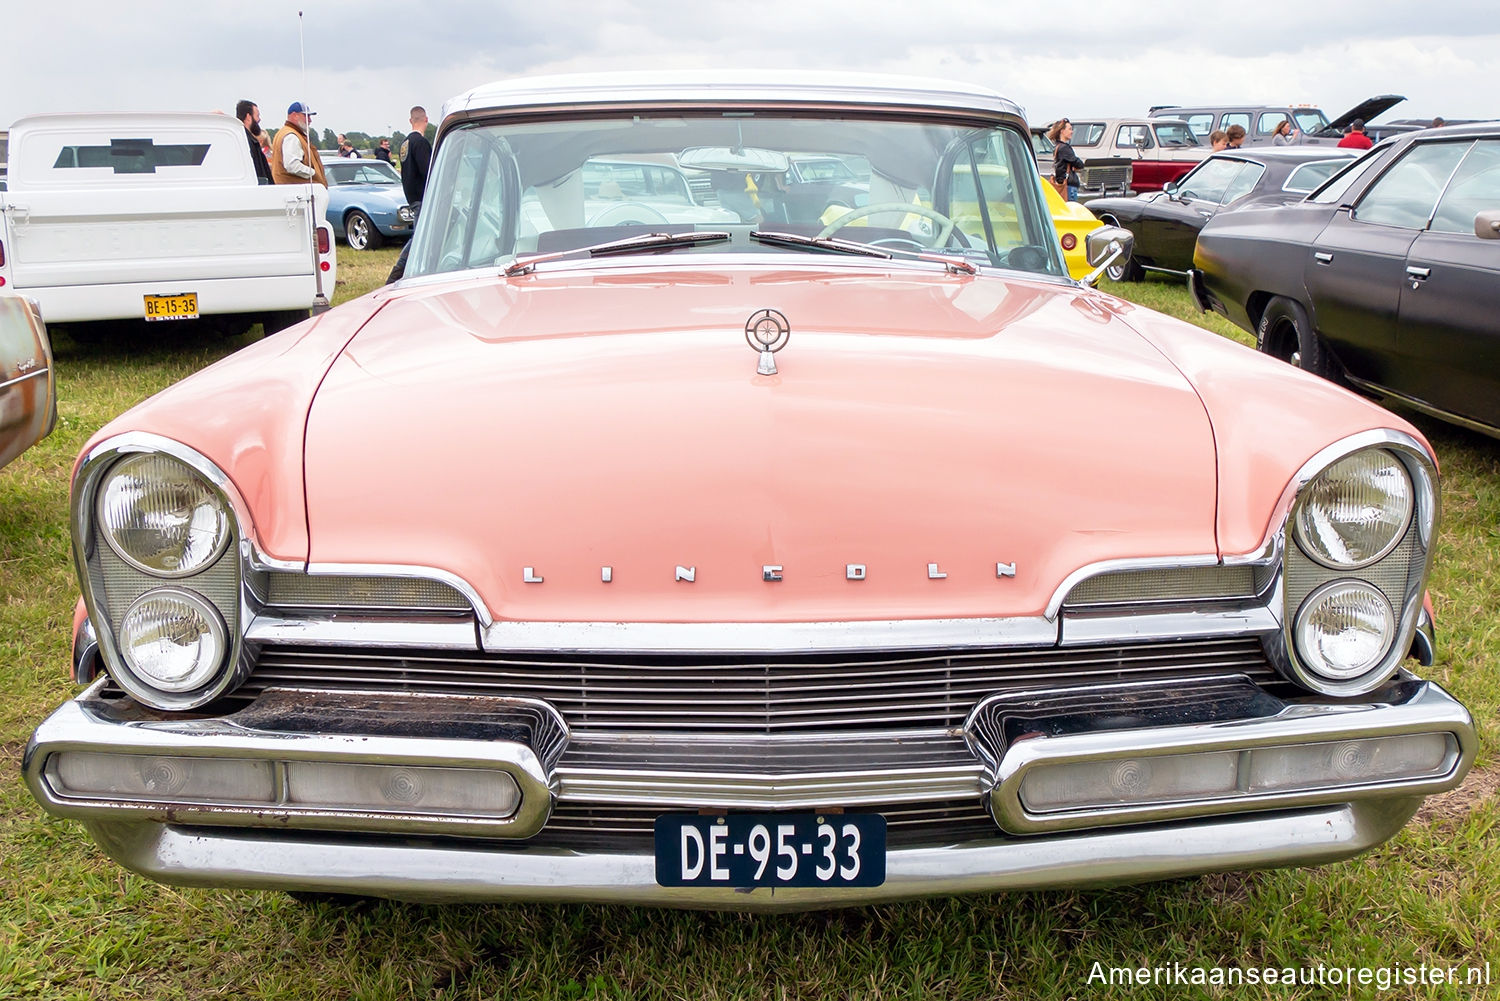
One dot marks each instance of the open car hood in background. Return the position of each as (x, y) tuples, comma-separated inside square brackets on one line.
[(1365, 110)]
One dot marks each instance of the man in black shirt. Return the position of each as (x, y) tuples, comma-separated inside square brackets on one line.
[(248, 112), (383, 151), (416, 158)]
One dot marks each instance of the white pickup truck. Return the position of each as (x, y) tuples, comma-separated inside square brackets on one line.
[(158, 217)]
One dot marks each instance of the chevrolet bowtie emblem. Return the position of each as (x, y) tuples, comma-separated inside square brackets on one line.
[(767, 332)]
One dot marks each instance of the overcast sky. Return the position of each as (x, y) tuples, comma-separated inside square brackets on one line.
[(369, 61)]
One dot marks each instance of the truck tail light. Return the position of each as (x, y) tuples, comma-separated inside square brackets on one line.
[(2, 253), (323, 243)]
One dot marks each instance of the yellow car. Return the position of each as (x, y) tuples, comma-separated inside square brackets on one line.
[(1073, 222)]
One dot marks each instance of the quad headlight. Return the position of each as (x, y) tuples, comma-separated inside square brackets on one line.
[(161, 516), (1356, 511), (173, 640), (1344, 629)]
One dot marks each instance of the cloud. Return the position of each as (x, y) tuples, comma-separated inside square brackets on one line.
[(367, 62)]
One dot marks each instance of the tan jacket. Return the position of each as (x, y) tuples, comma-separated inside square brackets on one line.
[(309, 156)]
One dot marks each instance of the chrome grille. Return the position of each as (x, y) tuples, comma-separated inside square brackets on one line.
[(773, 694), (1105, 177), (630, 829)]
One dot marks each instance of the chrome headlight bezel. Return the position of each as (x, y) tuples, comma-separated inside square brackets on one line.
[(92, 552), (1404, 584)]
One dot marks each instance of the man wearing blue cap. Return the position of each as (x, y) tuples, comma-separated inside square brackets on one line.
[(293, 158)]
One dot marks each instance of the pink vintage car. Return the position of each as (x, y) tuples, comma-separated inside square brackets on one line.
[(825, 556)]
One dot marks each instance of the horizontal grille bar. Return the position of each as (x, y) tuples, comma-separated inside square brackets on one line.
[(625, 829), (778, 694)]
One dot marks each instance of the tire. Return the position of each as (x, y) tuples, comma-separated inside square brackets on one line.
[(360, 232), (1286, 332), (280, 319)]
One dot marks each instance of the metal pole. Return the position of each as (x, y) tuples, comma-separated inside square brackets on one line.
[(320, 300)]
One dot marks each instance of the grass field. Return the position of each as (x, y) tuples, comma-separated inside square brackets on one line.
[(74, 925)]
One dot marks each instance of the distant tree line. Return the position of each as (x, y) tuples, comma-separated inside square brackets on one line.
[(365, 141)]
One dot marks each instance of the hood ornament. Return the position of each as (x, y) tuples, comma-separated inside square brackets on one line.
[(767, 332)]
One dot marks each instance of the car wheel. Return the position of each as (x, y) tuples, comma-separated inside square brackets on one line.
[(1286, 332), (361, 232), (280, 319)]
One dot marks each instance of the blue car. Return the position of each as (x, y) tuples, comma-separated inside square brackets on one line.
[(366, 205)]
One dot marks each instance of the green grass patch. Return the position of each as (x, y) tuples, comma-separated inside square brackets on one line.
[(74, 925)]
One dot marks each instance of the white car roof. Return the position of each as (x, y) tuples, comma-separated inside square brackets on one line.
[(750, 87)]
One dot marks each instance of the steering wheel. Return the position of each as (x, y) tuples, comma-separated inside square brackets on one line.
[(945, 225), (628, 214)]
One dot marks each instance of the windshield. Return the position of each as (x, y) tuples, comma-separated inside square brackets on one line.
[(1176, 134), (502, 191), (1309, 120), (370, 172)]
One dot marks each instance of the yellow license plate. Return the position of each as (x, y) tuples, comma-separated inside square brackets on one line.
[(183, 306)]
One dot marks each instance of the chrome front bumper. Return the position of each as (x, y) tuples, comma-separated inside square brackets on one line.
[(284, 846)]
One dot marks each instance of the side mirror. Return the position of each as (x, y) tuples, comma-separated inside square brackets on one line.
[(1487, 225), (1170, 188), (1105, 246)]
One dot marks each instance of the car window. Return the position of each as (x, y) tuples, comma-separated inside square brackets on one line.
[(1309, 119), (1209, 180), (1173, 134), (1243, 182), (1268, 120), (1240, 118), (1309, 175), (1475, 188), (1407, 193), (1339, 184), (1202, 124), (132, 156), (1041, 145), (469, 203), (1087, 133), (1133, 137), (823, 170)]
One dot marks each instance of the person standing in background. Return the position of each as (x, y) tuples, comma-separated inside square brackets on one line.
[(416, 159), (293, 158), (1235, 136), (1355, 138), (383, 151), (1281, 135), (1065, 162), (1218, 139), (248, 112)]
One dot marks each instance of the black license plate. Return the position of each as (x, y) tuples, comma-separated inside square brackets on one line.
[(770, 849)]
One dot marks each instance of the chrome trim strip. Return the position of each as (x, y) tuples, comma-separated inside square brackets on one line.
[(75, 727), (1427, 408), (436, 872), (1080, 629), (766, 637), (85, 653), (354, 630), (1428, 709), (37, 373), (768, 790)]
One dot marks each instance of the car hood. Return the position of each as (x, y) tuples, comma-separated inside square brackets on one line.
[(1365, 110), (368, 192), (925, 426)]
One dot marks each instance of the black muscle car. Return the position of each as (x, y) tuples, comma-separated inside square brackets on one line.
[(1388, 276), (1166, 223)]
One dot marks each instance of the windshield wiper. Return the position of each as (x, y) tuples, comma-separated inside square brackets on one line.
[(777, 239), (629, 245), (954, 264)]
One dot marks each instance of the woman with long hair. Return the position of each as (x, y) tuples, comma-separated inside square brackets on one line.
[(1065, 162)]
